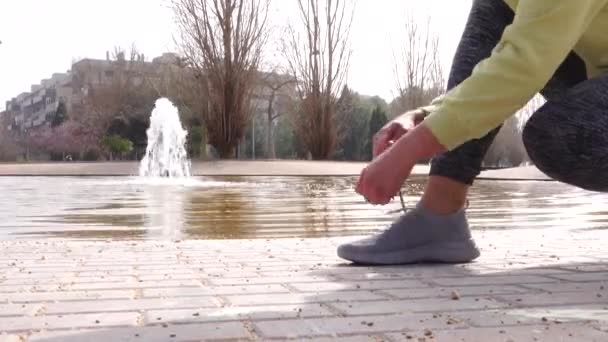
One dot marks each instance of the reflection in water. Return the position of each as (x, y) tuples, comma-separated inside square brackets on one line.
[(262, 207), (163, 207), (219, 212)]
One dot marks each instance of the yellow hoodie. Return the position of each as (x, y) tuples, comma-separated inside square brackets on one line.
[(531, 49)]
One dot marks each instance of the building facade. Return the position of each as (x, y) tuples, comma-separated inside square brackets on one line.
[(37, 108)]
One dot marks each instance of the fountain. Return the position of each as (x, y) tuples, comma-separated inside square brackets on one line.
[(166, 154)]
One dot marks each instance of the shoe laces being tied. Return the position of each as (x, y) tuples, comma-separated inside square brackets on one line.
[(404, 208)]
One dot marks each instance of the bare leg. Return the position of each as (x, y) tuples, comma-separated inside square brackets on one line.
[(444, 196), (453, 172)]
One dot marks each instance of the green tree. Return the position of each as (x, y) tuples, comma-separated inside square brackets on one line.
[(61, 114), (376, 122), (355, 112), (288, 145), (354, 116), (117, 145), (196, 136)]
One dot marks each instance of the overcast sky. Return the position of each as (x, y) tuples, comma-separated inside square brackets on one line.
[(40, 37)]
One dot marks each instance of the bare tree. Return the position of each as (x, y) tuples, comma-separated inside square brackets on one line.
[(180, 83), (223, 40), (318, 56), (418, 72)]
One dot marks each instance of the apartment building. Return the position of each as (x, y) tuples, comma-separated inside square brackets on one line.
[(36, 108)]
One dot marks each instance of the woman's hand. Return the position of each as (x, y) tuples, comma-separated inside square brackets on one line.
[(395, 129), (381, 180)]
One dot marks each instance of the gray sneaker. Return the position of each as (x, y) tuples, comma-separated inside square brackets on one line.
[(415, 237)]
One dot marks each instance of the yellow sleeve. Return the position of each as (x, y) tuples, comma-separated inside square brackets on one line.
[(531, 49)]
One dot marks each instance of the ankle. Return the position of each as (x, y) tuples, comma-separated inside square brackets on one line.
[(444, 196)]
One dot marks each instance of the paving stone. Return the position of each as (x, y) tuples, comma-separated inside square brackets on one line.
[(583, 276), (296, 298), (169, 276), (545, 299), (230, 275), (354, 285), (12, 337), (6, 289), (357, 338), (595, 267), (106, 273), (523, 269), (99, 286), (67, 279), (15, 277), (396, 275), (492, 280), (416, 305), (600, 287), (446, 292), (536, 315), (269, 312), (214, 290), (127, 305), (264, 280), (329, 327), (182, 332), (19, 309), (28, 323), (562, 333), (27, 297)]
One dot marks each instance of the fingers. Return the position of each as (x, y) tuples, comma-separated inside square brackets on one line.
[(382, 139), (359, 187), (372, 194), (377, 196), (379, 143)]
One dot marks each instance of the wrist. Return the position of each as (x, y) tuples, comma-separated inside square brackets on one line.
[(419, 144)]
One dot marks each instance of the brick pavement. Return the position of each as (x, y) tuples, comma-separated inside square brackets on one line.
[(529, 285)]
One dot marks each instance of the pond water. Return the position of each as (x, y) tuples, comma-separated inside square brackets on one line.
[(262, 207)]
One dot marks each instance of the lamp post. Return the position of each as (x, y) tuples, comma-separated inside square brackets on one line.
[(253, 137), (27, 145)]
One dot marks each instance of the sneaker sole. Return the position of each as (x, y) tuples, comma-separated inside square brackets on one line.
[(445, 252)]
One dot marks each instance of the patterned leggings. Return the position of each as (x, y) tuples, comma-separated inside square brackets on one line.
[(567, 138)]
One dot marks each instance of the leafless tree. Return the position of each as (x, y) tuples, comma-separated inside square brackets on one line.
[(418, 72), (181, 84), (318, 54), (223, 41)]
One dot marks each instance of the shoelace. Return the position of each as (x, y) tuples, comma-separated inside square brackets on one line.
[(405, 209)]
